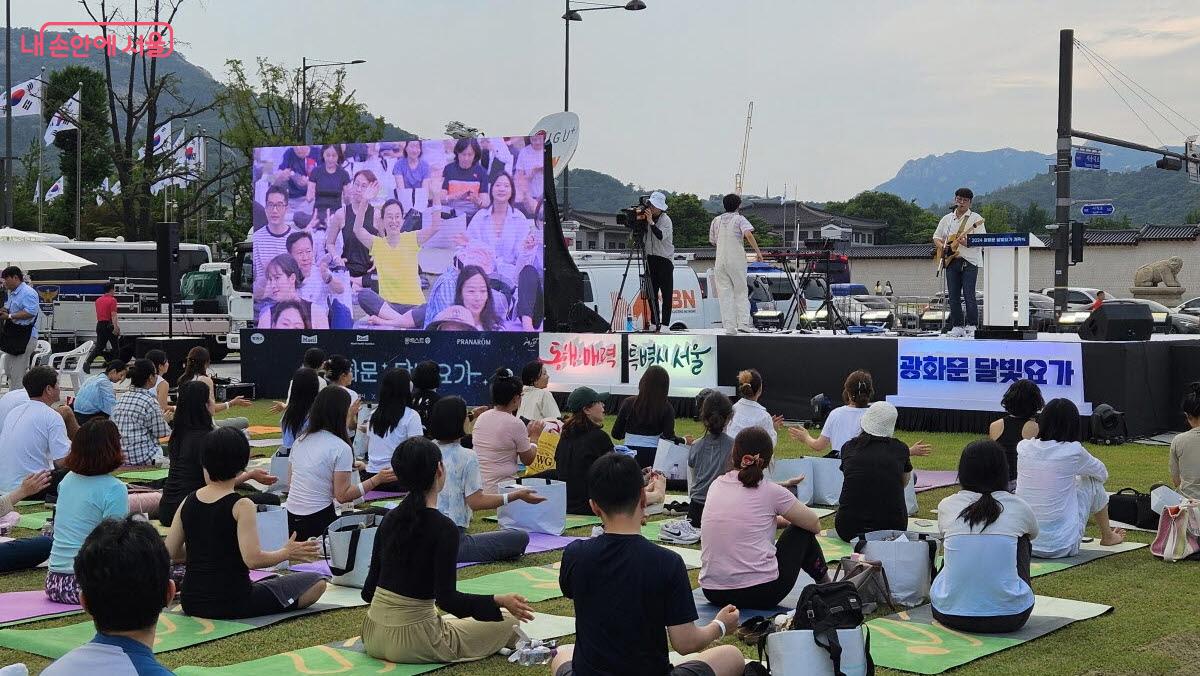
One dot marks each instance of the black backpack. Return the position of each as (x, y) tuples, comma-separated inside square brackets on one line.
[(823, 609)]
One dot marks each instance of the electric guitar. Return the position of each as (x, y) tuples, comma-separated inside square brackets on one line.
[(944, 255)]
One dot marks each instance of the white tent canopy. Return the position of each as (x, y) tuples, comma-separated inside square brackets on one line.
[(29, 251)]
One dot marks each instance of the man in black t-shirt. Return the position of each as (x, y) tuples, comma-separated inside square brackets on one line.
[(627, 590)]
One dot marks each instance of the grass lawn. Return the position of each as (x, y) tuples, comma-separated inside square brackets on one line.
[(1155, 628)]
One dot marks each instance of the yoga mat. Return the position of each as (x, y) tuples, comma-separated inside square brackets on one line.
[(33, 520), (538, 583), (27, 606), (263, 429), (382, 495), (929, 479), (538, 543), (175, 630), (348, 656), (651, 530), (573, 520), (28, 503), (153, 474), (912, 641), (691, 557), (832, 546), (1088, 552), (708, 611), (1129, 526), (265, 443)]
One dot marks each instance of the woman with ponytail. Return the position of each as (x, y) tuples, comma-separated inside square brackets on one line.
[(1185, 448), (984, 583), (741, 564), (412, 576), (195, 367), (747, 412), (845, 422)]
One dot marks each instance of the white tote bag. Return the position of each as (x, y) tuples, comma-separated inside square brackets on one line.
[(672, 459), (827, 481), (272, 524), (281, 467), (795, 653), (907, 559), (545, 517), (349, 542), (786, 468), (910, 494)]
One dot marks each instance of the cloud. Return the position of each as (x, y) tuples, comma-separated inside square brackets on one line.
[(1155, 38)]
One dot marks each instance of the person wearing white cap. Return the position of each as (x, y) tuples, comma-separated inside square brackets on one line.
[(660, 248), (876, 468)]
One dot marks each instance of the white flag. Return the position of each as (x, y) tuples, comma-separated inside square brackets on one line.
[(158, 186), (62, 118), (55, 190), (37, 190), (116, 188), (25, 99), (103, 188)]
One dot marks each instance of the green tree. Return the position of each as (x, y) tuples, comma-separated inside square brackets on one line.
[(907, 222), (96, 161), (763, 233), (998, 216), (1035, 219), (689, 220), (1193, 216)]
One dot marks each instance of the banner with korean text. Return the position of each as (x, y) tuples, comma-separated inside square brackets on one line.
[(691, 360), (973, 375), (582, 358)]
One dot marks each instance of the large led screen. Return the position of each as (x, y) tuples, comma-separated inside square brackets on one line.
[(437, 234)]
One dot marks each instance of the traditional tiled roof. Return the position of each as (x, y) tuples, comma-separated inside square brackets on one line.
[(789, 214), (1170, 232), (1110, 237)]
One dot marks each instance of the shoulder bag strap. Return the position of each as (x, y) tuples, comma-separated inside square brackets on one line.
[(354, 535)]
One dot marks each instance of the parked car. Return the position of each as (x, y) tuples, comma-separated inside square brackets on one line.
[(693, 307), (1078, 297), (1166, 320), (1190, 307), (868, 310), (1041, 312)]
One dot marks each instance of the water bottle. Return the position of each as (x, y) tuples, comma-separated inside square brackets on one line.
[(674, 471), (629, 322)]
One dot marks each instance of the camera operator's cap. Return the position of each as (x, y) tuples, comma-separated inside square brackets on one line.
[(880, 419), (658, 200), (582, 397), (455, 314)]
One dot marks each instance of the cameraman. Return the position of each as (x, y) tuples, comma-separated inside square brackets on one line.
[(660, 248)]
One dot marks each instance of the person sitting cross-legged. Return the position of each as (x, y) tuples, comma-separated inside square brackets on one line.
[(216, 535), (97, 397), (124, 579), (627, 590)]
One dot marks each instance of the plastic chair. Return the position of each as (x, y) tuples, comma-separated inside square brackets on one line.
[(71, 363), (41, 353)]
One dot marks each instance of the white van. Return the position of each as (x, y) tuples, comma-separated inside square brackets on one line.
[(691, 308)]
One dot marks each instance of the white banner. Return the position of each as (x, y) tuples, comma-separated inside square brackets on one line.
[(973, 375), (562, 132), (581, 358), (691, 360)]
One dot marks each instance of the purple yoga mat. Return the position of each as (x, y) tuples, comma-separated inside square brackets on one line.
[(928, 479), (256, 575), (382, 495), (24, 605)]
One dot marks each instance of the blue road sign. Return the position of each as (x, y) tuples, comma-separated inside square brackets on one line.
[(1085, 159), (1106, 209)]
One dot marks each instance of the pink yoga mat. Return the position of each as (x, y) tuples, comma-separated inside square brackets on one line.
[(24, 605), (928, 479), (382, 495)]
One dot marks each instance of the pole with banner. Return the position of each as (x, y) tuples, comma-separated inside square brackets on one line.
[(78, 163), (38, 197)]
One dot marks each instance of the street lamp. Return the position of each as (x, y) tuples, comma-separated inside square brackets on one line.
[(573, 14), (304, 67)]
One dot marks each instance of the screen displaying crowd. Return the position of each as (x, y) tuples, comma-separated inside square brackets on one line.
[(420, 235)]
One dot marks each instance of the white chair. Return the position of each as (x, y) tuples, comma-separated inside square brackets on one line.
[(41, 353), (71, 363)]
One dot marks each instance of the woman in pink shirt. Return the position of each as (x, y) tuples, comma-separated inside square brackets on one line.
[(499, 436), (741, 564)]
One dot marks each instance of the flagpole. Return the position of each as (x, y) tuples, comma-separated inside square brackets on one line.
[(39, 198), (78, 162), (8, 209)]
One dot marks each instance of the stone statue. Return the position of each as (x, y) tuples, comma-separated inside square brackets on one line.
[(1165, 271)]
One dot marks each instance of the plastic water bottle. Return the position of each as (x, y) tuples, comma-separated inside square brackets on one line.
[(674, 472), (629, 322)]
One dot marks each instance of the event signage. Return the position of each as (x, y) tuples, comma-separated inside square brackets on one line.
[(691, 360), (466, 360), (561, 131), (999, 239), (974, 374), (582, 358)]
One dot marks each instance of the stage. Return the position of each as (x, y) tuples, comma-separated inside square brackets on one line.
[(939, 384)]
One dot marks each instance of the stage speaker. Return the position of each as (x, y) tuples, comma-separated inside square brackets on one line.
[(166, 237), (1118, 321)]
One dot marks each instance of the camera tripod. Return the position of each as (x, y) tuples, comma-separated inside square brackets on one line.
[(637, 251)]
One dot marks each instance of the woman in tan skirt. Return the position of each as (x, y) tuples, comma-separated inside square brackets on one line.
[(413, 567)]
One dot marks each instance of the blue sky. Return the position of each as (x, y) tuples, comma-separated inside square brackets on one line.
[(844, 91)]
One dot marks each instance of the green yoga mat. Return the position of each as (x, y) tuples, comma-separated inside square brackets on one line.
[(175, 630), (573, 520), (145, 474), (33, 520), (535, 583), (1088, 552), (912, 641), (345, 657)]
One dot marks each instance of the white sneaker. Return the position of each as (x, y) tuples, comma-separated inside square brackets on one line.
[(679, 532), (957, 332)]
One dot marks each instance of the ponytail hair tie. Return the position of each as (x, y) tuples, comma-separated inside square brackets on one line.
[(748, 460)]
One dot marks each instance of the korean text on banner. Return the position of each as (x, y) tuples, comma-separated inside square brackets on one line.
[(690, 360), (581, 358)]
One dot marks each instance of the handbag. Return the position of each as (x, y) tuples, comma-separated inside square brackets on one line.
[(281, 468), (910, 494), (1131, 506), (545, 517), (349, 543), (14, 337), (826, 614), (869, 578), (1178, 535), (786, 468), (547, 445), (272, 525), (827, 481), (907, 558), (672, 459)]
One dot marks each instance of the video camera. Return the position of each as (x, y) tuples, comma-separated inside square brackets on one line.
[(633, 217)]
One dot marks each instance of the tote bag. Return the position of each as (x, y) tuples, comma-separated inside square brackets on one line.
[(786, 468), (910, 494), (827, 481), (907, 559), (672, 459), (1178, 535), (349, 543), (272, 530), (796, 653), (546, 446), (545, 517)]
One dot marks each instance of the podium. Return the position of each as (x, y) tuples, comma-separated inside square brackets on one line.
[(1006, 285)]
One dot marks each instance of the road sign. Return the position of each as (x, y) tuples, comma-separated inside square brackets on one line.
[(1086, 158), (1106, 209)]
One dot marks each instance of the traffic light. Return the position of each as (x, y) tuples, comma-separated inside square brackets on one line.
[(1169, 163)]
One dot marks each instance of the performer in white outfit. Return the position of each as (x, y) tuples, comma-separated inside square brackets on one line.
[(729, 274)]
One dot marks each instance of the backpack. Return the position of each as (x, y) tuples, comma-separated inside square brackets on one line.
[(823, 609)]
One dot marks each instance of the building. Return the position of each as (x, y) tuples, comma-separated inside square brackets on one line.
[(597, 231), (787, 219)]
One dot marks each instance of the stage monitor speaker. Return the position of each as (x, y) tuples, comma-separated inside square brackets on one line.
[(1118, 321), (166, 236)]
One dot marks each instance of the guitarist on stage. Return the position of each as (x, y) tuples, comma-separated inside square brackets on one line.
[(961, 262)]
